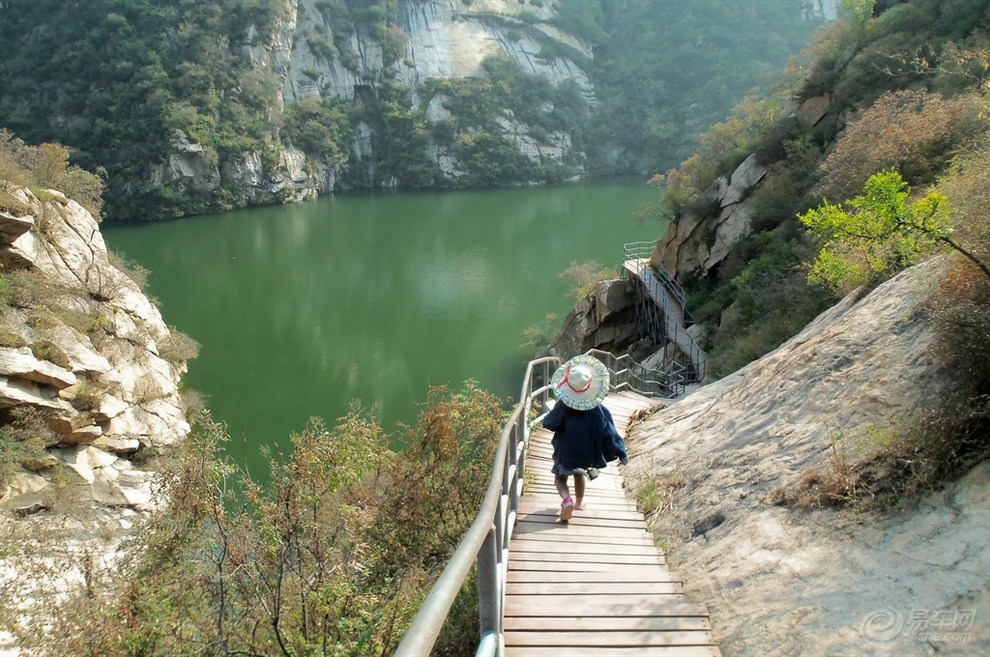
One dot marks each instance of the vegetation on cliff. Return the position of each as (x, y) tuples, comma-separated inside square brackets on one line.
[(333, 556), (905, 89), (110, 79), (894, 171), (113, 80)]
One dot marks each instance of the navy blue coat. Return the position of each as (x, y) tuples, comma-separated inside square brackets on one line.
[(584, 439)]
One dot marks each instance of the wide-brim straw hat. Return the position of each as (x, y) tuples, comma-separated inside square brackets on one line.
[(581, 383)]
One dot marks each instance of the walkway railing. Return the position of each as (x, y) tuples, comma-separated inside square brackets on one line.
[(487, 541), (665, 295), (627, 374), (643, 251)]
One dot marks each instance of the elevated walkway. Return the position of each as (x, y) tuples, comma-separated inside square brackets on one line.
[(661, 311), (596, 586)]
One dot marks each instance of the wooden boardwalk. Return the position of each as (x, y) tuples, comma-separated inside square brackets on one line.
[(596, 586)]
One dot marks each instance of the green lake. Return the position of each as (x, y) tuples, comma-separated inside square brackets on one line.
[(301, 309)]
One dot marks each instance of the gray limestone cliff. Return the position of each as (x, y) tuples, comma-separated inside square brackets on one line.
[(323, 49), (89, 396)]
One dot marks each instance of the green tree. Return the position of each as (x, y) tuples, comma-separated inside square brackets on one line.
[(879, 233)]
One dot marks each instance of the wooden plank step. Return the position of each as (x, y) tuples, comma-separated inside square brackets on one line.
[(578, 557), (523, 546), (596, 586), (609, 639), (584, 651), (599, 623), (606, 606), (579, 566), (582, 519), (518, 576), (576, 529), (562, 533)]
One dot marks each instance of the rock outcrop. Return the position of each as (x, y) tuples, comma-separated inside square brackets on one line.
[(605, 319), (89, 391), (81, 343), (698, 241), (785, 581)]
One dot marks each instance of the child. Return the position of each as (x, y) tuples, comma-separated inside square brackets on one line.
[(584, 435)]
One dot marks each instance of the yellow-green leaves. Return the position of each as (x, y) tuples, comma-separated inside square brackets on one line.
[(877, 234)]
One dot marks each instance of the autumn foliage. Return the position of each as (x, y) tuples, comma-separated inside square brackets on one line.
[(332, 556)]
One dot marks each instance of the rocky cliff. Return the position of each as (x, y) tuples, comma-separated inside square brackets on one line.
[(439, 39), (89, 394), (327, 50), (815, 582)]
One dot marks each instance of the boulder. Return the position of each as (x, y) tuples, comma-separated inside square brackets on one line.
[(188, 166), (813, 110), (733, 225), (605, 319), (746, 176), (15, 391), (17, 242)]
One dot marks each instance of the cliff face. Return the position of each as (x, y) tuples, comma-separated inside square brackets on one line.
[(327, 50), (86, 351), (89, 395), (442, 39)]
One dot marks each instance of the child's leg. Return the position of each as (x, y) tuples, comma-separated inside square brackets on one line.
[(567, 506), (579, 491)]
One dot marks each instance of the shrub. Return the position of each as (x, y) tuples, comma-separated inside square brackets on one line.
[(961, 311), (912, 131), (880, 233), (332, 555), (583, 277), (178, 347), (24, 434), (539, 335), (46, 166), (721, 149), (48, 350)]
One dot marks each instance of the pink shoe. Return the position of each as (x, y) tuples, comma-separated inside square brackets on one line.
[(566, 509)]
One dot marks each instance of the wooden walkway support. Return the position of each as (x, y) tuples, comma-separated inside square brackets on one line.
[(596, 586)]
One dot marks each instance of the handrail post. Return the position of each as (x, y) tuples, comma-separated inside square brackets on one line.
[(490, 587)]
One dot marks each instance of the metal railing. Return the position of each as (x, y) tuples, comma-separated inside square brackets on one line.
[(668, 297), (627, 374), (643, 251), (487, 541)]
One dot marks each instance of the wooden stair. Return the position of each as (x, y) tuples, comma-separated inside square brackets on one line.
[(596, 586)]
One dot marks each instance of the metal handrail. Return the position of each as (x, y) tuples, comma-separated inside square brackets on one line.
[(643, 251), (487, 540), (627, 374), (639, 252)]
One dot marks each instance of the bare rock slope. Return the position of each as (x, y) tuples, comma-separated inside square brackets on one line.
[(786, 581)]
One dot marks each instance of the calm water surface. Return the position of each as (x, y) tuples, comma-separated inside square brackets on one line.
[(301, 309)]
